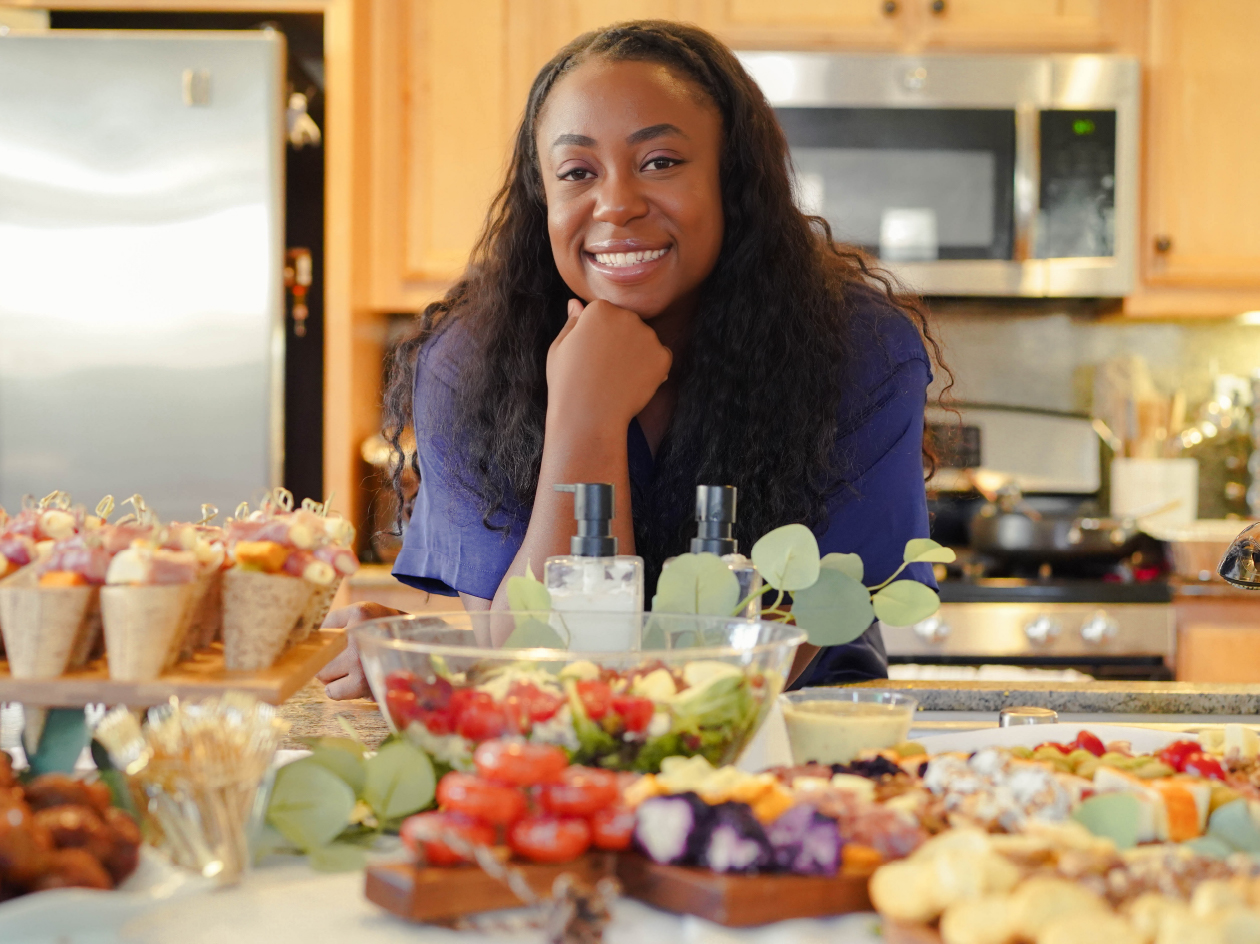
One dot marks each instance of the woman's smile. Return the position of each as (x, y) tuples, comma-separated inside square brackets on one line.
[(626, 265)]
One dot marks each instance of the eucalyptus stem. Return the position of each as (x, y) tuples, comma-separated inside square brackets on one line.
[(742, 604), (880, 586)]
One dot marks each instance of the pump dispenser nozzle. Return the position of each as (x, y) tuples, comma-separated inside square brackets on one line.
[(715, 519), (593, 507)]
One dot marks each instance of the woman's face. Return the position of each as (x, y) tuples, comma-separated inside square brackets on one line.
[(629, 153)]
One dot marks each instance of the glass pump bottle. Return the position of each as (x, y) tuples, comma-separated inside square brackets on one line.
[(715, 523)]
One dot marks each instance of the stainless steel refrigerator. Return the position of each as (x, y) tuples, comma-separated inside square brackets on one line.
[(141, 260)]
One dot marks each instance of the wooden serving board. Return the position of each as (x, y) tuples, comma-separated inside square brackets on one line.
[(198, 677), (897, 933), (739, 901), (441, 894)]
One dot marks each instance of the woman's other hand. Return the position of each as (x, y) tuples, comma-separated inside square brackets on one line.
[(343, 677), (603, 367)]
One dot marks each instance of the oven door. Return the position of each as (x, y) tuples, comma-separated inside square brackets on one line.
[(968, 175)]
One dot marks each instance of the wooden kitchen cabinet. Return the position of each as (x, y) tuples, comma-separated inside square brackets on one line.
[(1028, 25), (1218, 638), (1202, 226)]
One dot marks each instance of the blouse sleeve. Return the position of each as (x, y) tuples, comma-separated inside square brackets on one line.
[(447, 547)]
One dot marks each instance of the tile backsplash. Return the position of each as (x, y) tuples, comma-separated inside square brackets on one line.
[(1044, 356)]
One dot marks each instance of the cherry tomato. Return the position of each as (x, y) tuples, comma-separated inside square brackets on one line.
[(596, 698), (520, 763), (435, 695), (401, 703), (538, 704), (493, 802), (612, 828), (418, 834), (399, 681), (582, 791), (1201, 765), (1061, 748), (1089, 742), (437, 722), (1176, 753), (550, 839), (480, 719), (635, 712)]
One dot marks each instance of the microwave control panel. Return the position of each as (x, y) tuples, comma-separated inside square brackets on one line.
[(1077, 216)]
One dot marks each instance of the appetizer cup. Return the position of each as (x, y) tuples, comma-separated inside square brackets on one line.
[(690, 684), (832, 725)]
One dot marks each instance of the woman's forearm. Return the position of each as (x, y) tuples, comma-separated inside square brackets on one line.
[(573, 451)]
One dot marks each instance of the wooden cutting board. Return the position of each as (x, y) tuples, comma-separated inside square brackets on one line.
[(201, 676), (440, 894), (739, 901)]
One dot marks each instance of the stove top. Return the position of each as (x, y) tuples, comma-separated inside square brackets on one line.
[(1024, 590)]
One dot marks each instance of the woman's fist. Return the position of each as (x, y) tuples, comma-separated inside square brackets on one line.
[(343, 677), (604, 366)]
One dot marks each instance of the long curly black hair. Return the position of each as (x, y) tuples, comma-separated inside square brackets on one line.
[(763, 374)]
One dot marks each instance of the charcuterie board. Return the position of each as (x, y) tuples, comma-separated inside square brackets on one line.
[(739, 901), (442, 894), (201, 676)]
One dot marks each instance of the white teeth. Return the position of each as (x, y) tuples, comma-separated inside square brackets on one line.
[(616, 259)]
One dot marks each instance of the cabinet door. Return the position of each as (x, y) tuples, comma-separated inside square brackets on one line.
[(1203, 130), (769, 24), (1022, 25)]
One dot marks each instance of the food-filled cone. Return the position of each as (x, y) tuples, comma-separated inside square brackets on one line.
[(207, 621), (41, 626), (141, 624), (89, 638), (312, 617), (185, 641), (259, 612)]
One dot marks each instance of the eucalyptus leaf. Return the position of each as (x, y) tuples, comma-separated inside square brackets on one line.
[(309, 804), (344, 758), (527, 594), (696, 583), (338, 857), (400, 780), (787, 557), (654, 632), (850, 564), (925, 550), (835, 610), (533, 633), (905, 602)]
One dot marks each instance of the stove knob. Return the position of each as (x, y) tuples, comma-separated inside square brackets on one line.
[(932, 630), (1041, 630), (1099, 628)]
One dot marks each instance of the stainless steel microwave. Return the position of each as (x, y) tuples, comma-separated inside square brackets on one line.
[(969, 175)]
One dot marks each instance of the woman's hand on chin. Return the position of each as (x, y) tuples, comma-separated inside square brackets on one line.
[(343, 677), (604, 366)]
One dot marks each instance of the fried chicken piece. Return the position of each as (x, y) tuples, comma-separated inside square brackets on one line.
[(124, 853), (72, 868), (63, 790), (7, 777), (77, 827), (25, 846)]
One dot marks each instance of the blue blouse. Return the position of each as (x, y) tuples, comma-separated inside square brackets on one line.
[(447, 549)]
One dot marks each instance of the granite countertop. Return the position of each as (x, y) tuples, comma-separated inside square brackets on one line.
[(1139, 698), (1216, 589), (314, 714)]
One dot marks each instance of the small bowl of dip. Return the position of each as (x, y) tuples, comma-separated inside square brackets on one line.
[(832, 725)]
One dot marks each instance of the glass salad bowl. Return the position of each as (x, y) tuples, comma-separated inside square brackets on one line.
[(683, 685)]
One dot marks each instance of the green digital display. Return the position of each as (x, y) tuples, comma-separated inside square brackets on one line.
[(1082, 126)]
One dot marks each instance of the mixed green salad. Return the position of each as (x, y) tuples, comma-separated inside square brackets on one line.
[(619, 720)]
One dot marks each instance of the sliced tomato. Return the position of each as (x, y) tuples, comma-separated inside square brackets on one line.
[(596, 698), (582, 791), (550, 839), (612, 828), (635, 712), (1201, 765), (420, 834), (480, 719), (519, 762), (1089, 742), (469, 794)]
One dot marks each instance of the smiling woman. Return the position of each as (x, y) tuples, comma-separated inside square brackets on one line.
[(648, 307)]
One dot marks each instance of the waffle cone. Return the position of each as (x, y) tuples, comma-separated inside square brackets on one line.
[(313, 616), (207, 620), (185, 641), (88, 642), (259, 612), (141, 625), (41, 626)]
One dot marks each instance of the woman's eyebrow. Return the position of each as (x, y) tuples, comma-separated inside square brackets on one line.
[(654, 131), (580, 140)]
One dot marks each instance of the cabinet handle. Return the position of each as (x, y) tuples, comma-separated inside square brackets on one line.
[(1163, 243), (890, 7), (938, 7)]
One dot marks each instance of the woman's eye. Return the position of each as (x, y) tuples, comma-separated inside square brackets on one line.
[(578, 173), (662, 163)]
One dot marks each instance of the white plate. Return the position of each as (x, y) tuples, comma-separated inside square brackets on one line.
[(92, 916), (1143, 740)]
